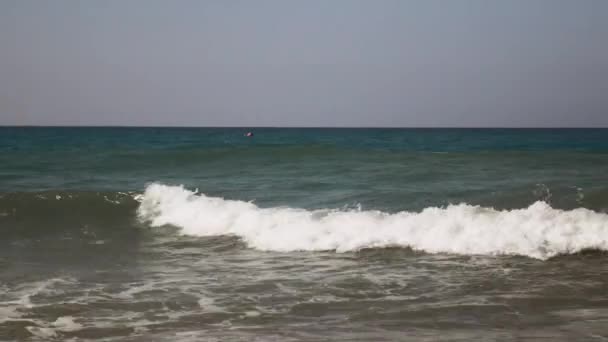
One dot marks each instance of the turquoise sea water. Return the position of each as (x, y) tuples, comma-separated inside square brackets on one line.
[(190, 234), (385, 169)]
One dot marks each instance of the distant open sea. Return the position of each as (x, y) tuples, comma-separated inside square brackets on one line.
[(303, 234)]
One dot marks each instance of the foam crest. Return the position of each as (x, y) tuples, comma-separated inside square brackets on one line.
[(538, 231)]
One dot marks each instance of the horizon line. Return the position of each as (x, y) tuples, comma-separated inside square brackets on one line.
[(307, 127)]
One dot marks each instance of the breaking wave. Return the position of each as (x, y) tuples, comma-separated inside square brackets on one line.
[(538, 231)]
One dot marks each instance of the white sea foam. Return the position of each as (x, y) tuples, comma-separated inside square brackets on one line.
[(538, 231), (66, 323)]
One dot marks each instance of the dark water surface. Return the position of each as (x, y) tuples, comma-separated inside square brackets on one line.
[(154, 234)]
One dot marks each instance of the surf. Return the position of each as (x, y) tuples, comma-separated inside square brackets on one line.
[(537, 231)]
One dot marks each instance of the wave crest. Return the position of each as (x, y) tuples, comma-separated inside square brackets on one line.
[(538, 231)]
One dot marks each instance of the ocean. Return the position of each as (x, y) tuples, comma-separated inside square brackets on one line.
[(303, 234)]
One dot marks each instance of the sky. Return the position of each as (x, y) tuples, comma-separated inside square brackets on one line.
[(381, 63)]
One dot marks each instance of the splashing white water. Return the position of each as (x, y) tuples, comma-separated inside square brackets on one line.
[(538, 231)]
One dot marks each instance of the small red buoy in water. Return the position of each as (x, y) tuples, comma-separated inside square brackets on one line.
[(249, 134)]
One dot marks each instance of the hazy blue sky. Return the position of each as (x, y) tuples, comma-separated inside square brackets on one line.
[(304, 63)]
